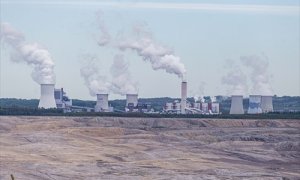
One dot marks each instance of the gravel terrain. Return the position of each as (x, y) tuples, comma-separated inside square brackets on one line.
[(54, 148)]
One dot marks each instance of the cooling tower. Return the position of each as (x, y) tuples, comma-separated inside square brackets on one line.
[(254, 104), (47, 96), (131, 98), (183, 96), (267, 104), (102, 103), (215, 108), (237, 105)]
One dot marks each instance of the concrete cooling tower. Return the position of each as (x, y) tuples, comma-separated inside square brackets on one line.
[(47, 96), (102, 103), (131, 99), (237, 105), (267, 104), (254, 104), (183, 96)]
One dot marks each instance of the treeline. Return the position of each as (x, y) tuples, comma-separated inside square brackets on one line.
[(25, 111), (17, 111)]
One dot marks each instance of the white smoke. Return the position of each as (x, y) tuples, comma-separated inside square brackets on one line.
[(235, 79), (95, 82), (105, 37), (121, 79), (259, 75), (32, 53), (159, 56)]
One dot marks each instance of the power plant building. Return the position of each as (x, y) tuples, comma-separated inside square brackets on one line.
[(266, 104), (254, 104), (183, 96), (102, 103), (47, 96), (236, 105), (62, 100), (131, 102)]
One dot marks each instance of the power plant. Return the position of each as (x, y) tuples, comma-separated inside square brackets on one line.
[(102, 103), (131, 102), (254, 104), (183, 97), (236, 105), (57, 98), (47, 96), (266, 104)]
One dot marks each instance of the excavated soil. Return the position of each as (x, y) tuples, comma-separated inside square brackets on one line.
[(148, 148)]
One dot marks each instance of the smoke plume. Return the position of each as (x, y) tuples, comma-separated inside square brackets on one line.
[(259, 75), (159, 56), (235, 79), (32, 53), (121, 79), (105, 37), (96, 82)]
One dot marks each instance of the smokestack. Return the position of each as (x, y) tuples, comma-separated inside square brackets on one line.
[(47, 96), (102, 103), (254, 104), (183, 96), (132, 98), (267, 104), (236, 105)]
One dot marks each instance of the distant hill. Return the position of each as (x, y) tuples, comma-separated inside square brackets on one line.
[(285, 103)]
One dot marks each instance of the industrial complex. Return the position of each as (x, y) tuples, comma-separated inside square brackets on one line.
[(57, 98)]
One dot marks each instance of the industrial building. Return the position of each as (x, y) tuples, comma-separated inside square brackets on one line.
[(237, 106), (102, 103), (260, 104), (47, 96), (62, 101), (193, 108)]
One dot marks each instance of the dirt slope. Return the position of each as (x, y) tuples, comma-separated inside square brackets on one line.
[(145, 148)]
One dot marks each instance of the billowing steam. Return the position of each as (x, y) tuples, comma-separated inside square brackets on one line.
[(235, 79), (92, 78), (159, 56), (121, 79), (105, 37), (32, 53), (259, 74)]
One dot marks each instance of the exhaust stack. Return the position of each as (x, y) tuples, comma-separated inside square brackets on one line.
[(102, 103), (183, 96), (236, 105), (47, 99)]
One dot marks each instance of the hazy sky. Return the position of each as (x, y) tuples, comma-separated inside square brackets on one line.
[(206, 35)]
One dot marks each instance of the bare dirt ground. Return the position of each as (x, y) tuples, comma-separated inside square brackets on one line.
[(144, 148)]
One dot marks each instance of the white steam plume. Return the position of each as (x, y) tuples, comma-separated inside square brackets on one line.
[(32, 53), (121, 79), (235, 79), (96, 83), (259, 74), (159, 56), (105, 37)]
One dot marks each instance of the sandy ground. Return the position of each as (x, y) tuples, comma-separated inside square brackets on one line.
[(144, 148)]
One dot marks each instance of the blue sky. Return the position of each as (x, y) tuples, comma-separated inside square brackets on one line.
[(204, 34)]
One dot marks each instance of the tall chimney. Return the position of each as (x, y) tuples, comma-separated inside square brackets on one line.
[(267, 104), (132, 98), (47, 99), (236, 105), (102, 103), (183, 96), (254, 104)]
